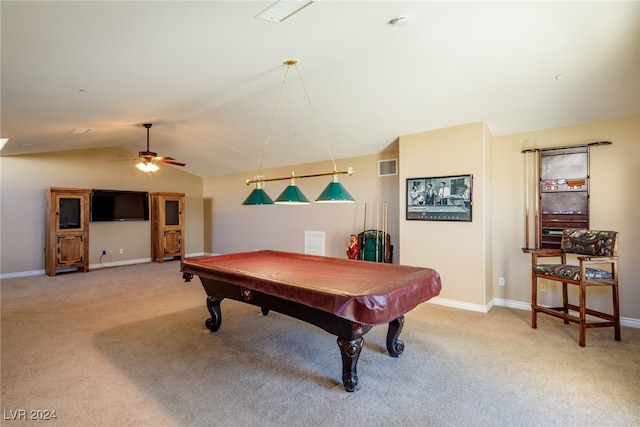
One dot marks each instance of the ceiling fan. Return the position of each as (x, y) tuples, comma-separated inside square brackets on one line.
[(148, 158)]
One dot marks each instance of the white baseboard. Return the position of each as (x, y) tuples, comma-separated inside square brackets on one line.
[(629, 322), (512, 304), (520, 305), (460, 304), (21, 274), (624, 321), (92, 266), (118, 263)]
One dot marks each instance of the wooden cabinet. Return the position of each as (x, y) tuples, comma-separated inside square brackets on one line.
[(564, 192), (67, 230), (167, 226)]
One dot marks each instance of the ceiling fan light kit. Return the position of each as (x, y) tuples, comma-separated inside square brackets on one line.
[(148, 158), (147, 167), (292, 195)]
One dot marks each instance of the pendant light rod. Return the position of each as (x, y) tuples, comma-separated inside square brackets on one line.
[(334, 193), (313, 111), (349, 172)]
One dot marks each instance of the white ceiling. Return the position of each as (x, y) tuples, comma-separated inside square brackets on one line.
[(207, 75)]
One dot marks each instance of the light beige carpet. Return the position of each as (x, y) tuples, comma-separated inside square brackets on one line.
[(127, 346)]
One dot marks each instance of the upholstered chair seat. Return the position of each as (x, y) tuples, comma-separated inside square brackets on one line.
[(596, 253)]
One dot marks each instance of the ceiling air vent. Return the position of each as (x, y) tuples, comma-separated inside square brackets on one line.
[(388, 167), (282, 9)]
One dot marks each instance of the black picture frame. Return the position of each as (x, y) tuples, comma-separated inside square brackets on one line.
[(425, 201)]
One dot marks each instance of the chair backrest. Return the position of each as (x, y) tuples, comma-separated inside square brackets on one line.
[(590, 242)]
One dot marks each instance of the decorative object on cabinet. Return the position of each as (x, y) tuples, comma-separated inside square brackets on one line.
[(167, 226), (557, 186), (67, 229)]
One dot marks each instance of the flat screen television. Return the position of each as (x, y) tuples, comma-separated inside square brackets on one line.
[(119, 205)]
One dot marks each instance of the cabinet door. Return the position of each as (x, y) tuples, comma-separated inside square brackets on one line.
[(172, 213), (69, 250), (172, 242), (69, 213)]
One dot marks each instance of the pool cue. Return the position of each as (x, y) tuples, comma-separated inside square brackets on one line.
[(364, 227), (526, 199), (536, 175), (377, 228), (384, 231), (364, 234)]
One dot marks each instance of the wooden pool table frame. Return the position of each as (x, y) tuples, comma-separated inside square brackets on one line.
[(349, 333), (344, 297)]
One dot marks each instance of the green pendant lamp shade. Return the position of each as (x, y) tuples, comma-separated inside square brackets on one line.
[(258, 197), (335, 193), (292, 196)]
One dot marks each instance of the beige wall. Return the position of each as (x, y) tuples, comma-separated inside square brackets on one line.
[(470, 256), (614, 205), (25, 178), (459, 251), (235, 227)]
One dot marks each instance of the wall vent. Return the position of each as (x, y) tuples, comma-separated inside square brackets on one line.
[(387, 167), (314, 242)]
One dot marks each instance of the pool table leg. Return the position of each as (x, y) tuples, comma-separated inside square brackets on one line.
[(394, 345), (350, 351), (214, 322)]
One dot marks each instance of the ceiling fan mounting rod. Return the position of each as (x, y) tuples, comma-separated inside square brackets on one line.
[(148, 126)]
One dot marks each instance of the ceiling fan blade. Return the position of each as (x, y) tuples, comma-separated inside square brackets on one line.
[(170, 162), (124, 160)]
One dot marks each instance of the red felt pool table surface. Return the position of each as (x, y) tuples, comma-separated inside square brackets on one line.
[(360, 291)]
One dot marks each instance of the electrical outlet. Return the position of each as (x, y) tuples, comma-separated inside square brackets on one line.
[(110, 251), (501, 281), (104, 252), (121, 251), (543, 287)]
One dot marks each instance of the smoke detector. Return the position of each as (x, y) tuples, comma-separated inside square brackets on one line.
[(399, 21)]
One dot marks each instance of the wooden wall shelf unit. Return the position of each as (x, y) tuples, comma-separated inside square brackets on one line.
[(564, 193), (167, 226), (67, 229), (561, 194)]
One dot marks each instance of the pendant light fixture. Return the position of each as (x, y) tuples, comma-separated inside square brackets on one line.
[(292, 195), (335, 193), (258, 196)]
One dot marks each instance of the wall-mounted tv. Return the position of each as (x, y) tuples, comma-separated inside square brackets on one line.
[(119, 205)]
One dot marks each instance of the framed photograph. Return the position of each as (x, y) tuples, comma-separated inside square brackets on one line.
[(440, 198)]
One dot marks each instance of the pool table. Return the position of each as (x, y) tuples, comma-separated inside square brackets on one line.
[(342, 296)]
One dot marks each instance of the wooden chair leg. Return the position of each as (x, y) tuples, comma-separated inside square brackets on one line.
[(565, 300), (534, 302), (583, 315), (616, 311)]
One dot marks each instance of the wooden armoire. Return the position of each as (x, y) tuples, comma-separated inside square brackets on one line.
[(67, 229), (167, 226)]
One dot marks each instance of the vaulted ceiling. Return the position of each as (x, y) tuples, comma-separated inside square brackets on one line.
[(207, 74)]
